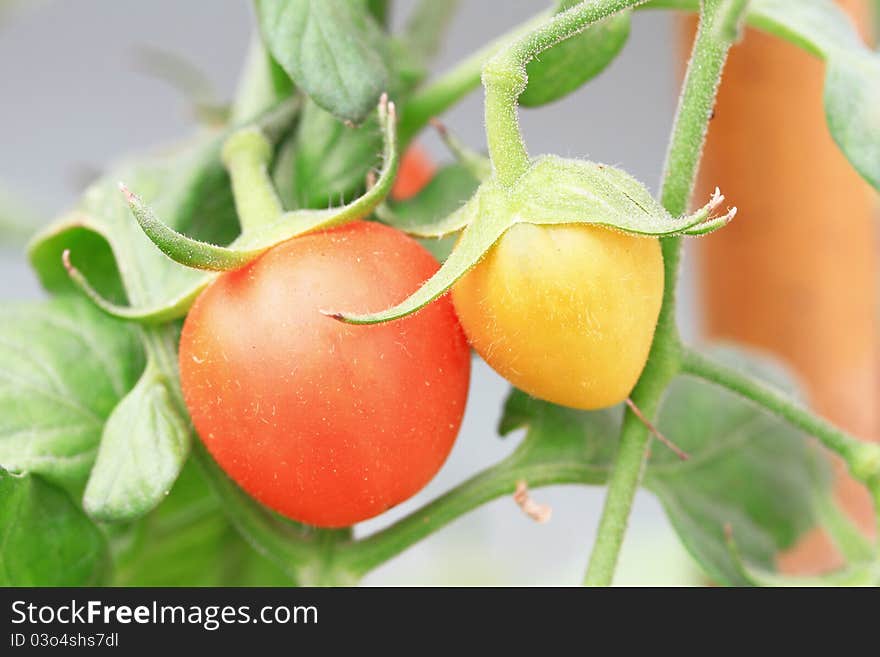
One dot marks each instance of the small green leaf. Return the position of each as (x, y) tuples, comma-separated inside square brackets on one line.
[(63, 368), (852, 79), (579, 445), (45, 539), (324, 162), (187, 541), (332, 49), (565, 191), (852, 107), (749, 471), (432, 212), (145, 443), (557, 72)]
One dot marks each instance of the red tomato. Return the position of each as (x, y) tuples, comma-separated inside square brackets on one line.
[(327, 423), (416, 171)]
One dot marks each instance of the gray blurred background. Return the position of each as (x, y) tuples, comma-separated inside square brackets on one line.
[(71, 100)]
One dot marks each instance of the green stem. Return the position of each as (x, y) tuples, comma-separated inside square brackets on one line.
[(247, 155), (438, 96), (714, 38), (505, 78), (494, 482)]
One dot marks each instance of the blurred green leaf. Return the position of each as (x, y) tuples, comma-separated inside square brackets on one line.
[(749, 471), (558, 71), (332, 49), (852, 80), (324, 162), (17, 221), (449, 189), (426, 27), (64, 366), (187, 541), (45, 539)]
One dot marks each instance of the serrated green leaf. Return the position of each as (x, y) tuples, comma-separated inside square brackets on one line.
[(332, 49), (188, 541), (852, 79), (748, 470), (46, 540), (560, 70), (64, 366), (144, 445)]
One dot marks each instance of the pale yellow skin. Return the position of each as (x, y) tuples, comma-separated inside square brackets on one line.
[(565, 312)]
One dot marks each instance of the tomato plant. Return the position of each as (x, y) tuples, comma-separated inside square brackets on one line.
[(250, 347)]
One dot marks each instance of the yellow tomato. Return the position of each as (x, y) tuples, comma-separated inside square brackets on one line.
[(565, 312)]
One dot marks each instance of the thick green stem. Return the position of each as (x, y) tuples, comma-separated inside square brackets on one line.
[(494, 482), (247, 154), (717, 30)]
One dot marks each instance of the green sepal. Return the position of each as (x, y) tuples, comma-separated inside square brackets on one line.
[(251, 244), (552, 191)]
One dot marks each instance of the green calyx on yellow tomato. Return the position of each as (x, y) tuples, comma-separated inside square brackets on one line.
[(558, 278)]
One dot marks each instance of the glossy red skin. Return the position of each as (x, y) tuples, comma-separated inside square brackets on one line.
[(326, 423)]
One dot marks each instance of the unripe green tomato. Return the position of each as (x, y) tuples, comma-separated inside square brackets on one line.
[(565, 312)]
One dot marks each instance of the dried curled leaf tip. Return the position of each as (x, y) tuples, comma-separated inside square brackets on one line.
[(540, 513)]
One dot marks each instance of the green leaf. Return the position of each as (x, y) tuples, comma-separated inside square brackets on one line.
[(577, 446), (64, 366), (187, 541), (324, 162), (45, 539), (333, 50), (852, 79), (17, 221), (431, 215), (852, 107), (748, 470), (144, 446), (571, 63), (450, 189)]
